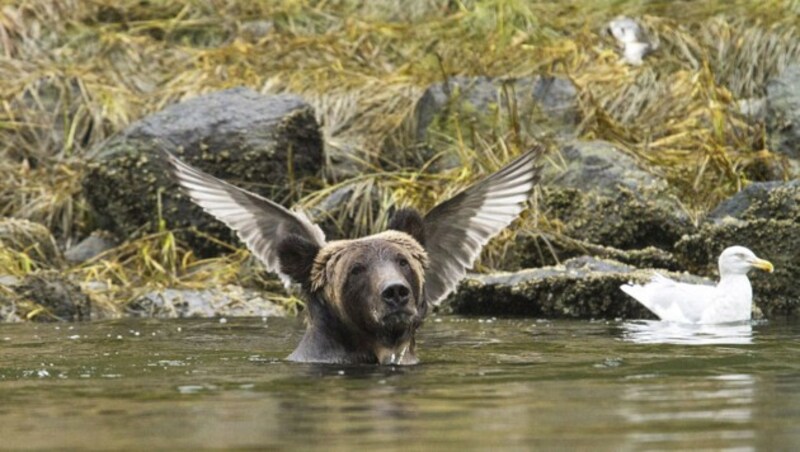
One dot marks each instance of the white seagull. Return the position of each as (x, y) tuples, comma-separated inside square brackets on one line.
[(729, 301), (631, 38)]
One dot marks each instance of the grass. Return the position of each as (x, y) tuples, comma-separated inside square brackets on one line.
[(73, 73)]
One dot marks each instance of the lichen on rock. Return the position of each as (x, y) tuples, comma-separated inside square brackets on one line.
[(267, 144), (579, 288)]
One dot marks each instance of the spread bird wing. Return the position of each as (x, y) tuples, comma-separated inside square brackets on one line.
[(671, 300), (260, 223), (457, 229)]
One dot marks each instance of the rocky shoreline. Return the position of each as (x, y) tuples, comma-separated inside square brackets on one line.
[(601, 216)]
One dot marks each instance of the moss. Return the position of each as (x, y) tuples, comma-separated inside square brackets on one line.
[(625, 221)]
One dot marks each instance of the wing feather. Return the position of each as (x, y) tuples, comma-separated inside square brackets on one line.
[(260, 223), (457, 229)]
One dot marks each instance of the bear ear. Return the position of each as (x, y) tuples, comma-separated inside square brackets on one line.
[(296, 256), (410, 222)]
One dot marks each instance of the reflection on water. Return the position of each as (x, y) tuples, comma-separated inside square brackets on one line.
[(713, 412), (659, 332), (503, 384)]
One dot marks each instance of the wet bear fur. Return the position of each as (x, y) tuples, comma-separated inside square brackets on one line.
[(364, 296)]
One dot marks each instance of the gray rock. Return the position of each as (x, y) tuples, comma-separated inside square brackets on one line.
[(584, 288), (254, 30), (597, 166), (600, 195), (775, 200), (32, 239), (540, 250), (783, 113), (754, 108), (557, 98), (543, 104), (778, 241), (267, 144), (343, 213), (50, 296), (228, 301), (97, 243)]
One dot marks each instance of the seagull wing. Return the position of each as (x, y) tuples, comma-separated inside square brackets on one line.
[(671, 300), (457, 229), (260, 223)]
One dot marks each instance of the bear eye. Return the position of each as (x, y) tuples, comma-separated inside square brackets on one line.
[(357, 269), (403, 262)]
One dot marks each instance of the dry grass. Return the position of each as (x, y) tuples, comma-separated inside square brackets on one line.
[(73, 73)]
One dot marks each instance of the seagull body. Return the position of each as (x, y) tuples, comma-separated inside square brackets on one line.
[(729, 301)]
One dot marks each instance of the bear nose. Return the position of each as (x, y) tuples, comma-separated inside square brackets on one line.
[(396, 294)]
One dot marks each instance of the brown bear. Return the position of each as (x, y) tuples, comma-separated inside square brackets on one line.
[(366, 297)]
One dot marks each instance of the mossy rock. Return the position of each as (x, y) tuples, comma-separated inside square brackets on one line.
[(581, 288), (32, 239), (270, 145), (783, 115), (778, 241), (228, 301), (541, 250), (775, 200), (596, 193), (50, 296), (542, 105)]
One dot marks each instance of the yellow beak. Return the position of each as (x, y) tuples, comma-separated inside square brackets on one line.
[(763, 265)]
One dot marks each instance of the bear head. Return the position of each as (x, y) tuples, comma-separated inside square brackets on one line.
[(371, 287)]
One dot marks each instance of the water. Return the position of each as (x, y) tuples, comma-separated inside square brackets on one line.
[(513, 383)]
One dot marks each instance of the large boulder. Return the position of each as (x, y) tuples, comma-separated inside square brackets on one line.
[(777, 240), (581, 288), (535, 249), (32, 239), (594, 192), (542, 105), (267, 144), (783, 115), (775, 200)]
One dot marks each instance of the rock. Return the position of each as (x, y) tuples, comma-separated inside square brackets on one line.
[(775, 200), (753, 108), (97, 243), (543, 104), (50, 296), (350, 211), (783, 114), (584, 288), (267, 144), (343, 159), (541, 250), (31, 238), (598, 194), (226, 301), (777, 240), (254, 30)]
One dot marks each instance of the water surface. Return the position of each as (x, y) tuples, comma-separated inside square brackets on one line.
[(482, 383)]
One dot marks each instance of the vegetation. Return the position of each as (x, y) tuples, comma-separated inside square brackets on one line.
[(75, 72)]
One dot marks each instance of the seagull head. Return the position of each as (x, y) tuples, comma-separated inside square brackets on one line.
[(738, 260)]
